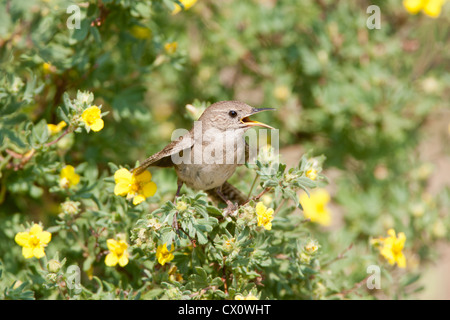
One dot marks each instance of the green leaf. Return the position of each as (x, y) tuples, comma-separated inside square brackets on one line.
[(40, 131), (96, 34), (62, 115), (81, 33)]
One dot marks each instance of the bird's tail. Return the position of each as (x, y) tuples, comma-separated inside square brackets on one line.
[(230, 192)]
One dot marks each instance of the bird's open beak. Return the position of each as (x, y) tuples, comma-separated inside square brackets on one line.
[(251, 123)]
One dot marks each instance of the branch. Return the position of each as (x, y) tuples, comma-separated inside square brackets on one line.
[(67, 131)]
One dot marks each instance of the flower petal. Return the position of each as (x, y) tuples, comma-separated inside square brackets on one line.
[(45, 237), (321, 196), (35, 229), (91, 113), (38, 252), (74, 179), (138, 199), (413, 6), (433, 8), (121, 188), (260, 208), (391, 232), (145, 176), (112, 244), (149, 189), (123, 261), (67, 171), (401, 260), (97, 125), (123, 175), (27, 252), (22, 239), (386, 252), (111, 259)]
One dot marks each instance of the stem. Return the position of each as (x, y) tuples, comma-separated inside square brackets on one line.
[(253, 185), (339, 257), (258, 196), (279, 206), (67, 131), (262, 193)]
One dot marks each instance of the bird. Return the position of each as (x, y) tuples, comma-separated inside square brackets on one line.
[(207, 156)]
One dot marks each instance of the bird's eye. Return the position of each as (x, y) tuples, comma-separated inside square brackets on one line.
[(232, 113)]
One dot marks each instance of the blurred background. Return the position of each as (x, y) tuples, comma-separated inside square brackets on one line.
[(375, 102)]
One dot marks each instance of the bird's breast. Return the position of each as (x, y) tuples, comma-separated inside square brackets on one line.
[(212, 161), (204, 176)]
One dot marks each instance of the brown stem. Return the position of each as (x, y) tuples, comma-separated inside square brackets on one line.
[(259, 195), (67, 131), (339, 257)]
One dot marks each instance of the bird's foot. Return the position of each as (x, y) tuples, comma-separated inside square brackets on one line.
[(231, 207), (175, 222)]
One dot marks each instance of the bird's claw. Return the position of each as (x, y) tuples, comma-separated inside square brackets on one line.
[(231, 207)]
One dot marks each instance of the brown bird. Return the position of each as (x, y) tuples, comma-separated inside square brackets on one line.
[(207, 156)]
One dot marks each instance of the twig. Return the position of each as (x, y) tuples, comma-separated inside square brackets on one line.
[(224, 277), (358, 285), (259, 195), (339, 257), (67, 131), (253, 185), (193, 241), (24, 158), (202, 291), (279, 206)]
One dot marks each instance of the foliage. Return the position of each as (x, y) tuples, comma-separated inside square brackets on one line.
[(104, 96)]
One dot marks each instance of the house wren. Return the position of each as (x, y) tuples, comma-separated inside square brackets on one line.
[(206, 157)]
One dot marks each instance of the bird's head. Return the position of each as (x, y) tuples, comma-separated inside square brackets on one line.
[(231, 115)]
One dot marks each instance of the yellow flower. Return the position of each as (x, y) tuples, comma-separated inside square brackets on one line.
[(68, 178), (315, 207), (134, 187), (391, 248), (33, 242), (163, 255), (92, 118), (281, 93), (140, 32), (248, 297), (431, 8), (312, 174), (117, 253), (264, 215), (186, 3), (174, 275), (55, 128), (171, 47), (48, 68)]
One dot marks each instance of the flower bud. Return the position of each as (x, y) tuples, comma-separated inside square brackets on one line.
[(70, 207), (304, 258), (181, 206), (52, 277), (311, 247)]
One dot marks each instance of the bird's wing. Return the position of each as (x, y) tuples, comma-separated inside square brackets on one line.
[(164, 157)]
